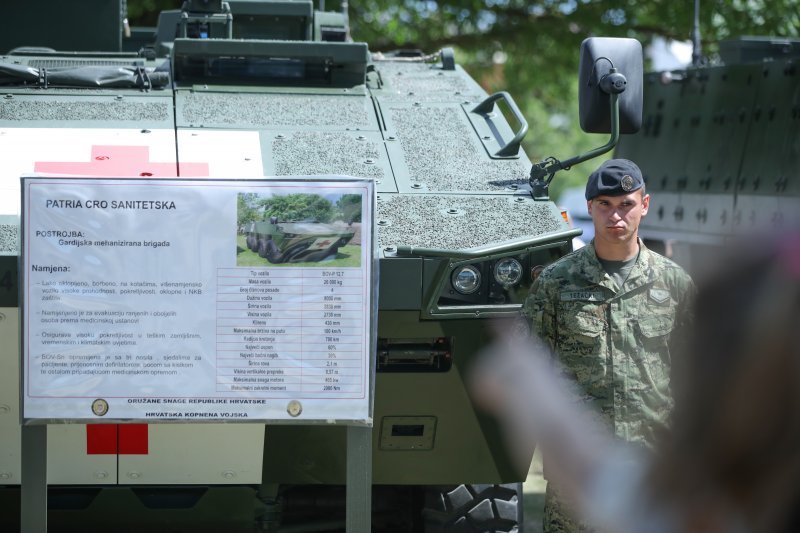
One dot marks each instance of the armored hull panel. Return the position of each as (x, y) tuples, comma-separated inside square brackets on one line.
[(718, 147)]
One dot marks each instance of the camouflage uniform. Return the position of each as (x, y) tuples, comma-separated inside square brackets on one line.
[(615, 343)]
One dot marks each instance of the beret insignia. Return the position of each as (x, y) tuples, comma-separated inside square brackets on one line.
[(627, 183)]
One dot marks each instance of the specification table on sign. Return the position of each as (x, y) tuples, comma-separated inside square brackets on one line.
[(198, 300), (291, 332)]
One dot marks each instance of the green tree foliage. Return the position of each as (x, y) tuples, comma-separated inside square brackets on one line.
[(145, 12), (530, 48), (296, 207), (247, 208), (349, 208)]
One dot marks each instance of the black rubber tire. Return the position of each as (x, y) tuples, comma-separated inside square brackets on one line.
[(261, 248), (251, 242), (271, 252), (473, 508)]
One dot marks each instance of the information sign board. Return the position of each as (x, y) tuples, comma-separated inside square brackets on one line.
[(197, 300)]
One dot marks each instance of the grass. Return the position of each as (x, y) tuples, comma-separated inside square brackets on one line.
[(347, 256)]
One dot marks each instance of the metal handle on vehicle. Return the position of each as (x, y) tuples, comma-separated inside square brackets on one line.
[(485, 107)]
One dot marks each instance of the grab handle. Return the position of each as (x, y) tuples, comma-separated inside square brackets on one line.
[(485, 107)]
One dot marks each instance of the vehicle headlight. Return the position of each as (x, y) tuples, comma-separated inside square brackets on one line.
[(466, 279), (508, 271)]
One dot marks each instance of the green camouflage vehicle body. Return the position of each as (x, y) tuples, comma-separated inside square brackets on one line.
[(459, 237), (293, 242)]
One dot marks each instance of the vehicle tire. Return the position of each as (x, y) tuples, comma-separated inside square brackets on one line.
[(473, 508), (261, 247), (251, 242), (271, 252)]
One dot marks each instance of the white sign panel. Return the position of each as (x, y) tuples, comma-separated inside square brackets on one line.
[(197, 300)]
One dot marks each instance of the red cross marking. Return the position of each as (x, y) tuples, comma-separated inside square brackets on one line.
[(122, 162)]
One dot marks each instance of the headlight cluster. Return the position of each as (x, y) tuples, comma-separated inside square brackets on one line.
[(503, 280), (493, 281), (467, 279)]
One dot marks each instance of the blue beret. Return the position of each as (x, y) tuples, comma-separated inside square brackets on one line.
[(614, 177)]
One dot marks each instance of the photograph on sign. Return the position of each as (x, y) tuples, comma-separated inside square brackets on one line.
[(299, 229), (182, 300)]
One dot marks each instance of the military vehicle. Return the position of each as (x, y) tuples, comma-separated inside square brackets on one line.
[(718, 148), (292, 242), (247, 89)]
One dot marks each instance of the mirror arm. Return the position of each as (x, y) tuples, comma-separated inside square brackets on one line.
[(549, 167)]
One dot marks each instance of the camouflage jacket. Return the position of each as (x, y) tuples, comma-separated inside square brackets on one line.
[(617, 344)]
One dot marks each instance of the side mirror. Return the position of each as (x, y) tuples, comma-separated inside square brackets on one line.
[(610, 97), (610, 65)]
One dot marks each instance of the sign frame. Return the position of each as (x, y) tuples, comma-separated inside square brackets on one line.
[(368, 270)]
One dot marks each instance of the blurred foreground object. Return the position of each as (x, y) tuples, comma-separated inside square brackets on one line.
[(732, 461)]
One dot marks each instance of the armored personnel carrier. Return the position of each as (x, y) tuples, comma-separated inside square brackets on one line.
[(282, 242), (718, 148), (248, 89)]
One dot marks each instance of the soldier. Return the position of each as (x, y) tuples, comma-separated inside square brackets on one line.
[(611, 312)]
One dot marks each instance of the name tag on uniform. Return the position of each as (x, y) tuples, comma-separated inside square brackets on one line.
[(659, 295), (584, 296)]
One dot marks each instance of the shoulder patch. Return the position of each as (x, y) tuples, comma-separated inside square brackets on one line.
[(659, 295)]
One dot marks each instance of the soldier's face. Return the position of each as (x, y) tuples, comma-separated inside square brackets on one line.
[(616, 218)]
